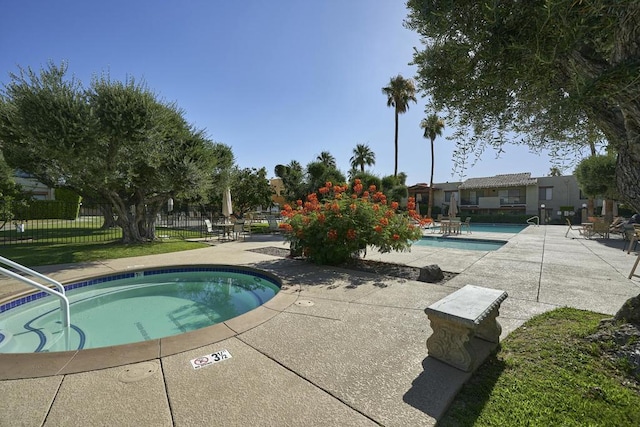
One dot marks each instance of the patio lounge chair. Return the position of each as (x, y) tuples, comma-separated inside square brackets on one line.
[(571, 227)]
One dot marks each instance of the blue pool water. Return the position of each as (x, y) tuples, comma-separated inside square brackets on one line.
[(498, 228), (132, 307), (460, 243), (495, 228)]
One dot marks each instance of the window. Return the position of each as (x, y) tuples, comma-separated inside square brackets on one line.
[(473, 198), (545, 193), (509, 197), (447, 196)]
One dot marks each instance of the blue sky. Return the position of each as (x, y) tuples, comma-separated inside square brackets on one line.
[(277, 81)]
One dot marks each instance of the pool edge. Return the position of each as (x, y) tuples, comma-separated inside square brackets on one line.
[(16, 366)]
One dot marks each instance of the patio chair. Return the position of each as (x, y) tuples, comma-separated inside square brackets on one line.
[(601, 228), (209, 231), (239, 230), (572, 228), (246, 228), (466, 224), (274, 227), (633, 236)]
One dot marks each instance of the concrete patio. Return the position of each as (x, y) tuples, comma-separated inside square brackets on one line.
[(339, 348)]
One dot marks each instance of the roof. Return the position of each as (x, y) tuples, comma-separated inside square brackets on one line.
[(499, 181)]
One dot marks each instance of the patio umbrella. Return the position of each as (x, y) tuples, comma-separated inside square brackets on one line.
[(453, 207), (227, 209)]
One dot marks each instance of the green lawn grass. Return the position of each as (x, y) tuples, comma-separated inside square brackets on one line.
[(547, 374), (35, 254)]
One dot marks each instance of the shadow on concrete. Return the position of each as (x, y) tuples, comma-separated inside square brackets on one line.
[(434, 391)]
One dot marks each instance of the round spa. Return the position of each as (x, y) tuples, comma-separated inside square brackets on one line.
[(133, 306)]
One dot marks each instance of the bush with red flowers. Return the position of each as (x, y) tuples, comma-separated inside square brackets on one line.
[(339, 224)]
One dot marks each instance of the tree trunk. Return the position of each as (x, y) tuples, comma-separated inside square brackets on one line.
[(395, 169), (628, 175), (132, 217), (430, 205), (107, 214)]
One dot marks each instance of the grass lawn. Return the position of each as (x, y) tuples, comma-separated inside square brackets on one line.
[(547, 374), (35, 254)]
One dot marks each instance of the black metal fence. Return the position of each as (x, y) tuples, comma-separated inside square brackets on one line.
[(52, 223)]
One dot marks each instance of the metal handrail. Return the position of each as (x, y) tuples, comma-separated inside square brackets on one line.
[(530, 221), (59, 292)]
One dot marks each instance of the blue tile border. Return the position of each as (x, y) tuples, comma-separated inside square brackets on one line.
[(169, 270)]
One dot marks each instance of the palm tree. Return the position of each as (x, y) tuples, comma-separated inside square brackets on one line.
[(327, 158), (362, 155), (555, 171), (400, 92), (433, 126)]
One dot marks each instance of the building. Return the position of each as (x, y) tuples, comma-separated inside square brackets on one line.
[(38, 190), (557, 196)]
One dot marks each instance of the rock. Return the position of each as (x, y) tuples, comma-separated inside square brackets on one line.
[(630, 311), (431, 274)]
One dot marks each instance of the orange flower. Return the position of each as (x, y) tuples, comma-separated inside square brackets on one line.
[(378, 229), (353, 206), (321, 218), (299, 202), (357, 181), (332, 234), (384, 221), (351, 234), (376, 207), (365, 195), (394, 205), (328, 184), (323, 190), (396, 237), (285, 226), (372, 188)]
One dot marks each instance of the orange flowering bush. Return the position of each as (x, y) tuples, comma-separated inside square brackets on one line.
[(339, 226)]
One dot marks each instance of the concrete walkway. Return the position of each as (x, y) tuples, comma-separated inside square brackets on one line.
[(347, 349)]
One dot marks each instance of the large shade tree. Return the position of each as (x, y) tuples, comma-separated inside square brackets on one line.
[(12, 195), (433, 127), (250, 189), (548, 73), (362, 156), (399, 92), (112, 141)]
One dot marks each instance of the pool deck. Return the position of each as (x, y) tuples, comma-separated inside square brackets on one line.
[(335, 348)]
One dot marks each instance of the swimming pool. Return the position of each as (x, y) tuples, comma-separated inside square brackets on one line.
[(134, 306), (460, 243), (495, 228), (498, 228)]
